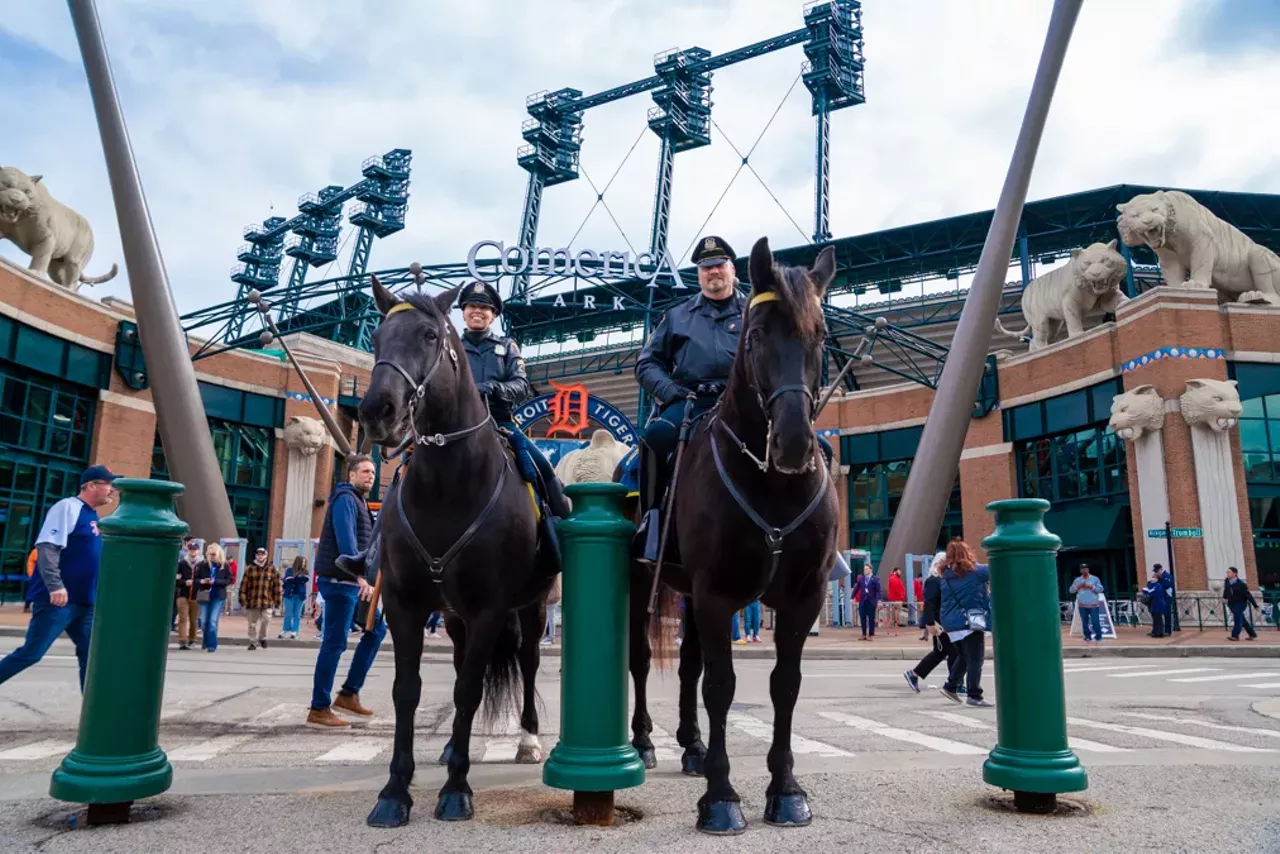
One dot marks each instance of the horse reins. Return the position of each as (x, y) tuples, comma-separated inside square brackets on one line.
[(436, 565)]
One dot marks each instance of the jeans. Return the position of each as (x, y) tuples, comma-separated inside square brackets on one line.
[(737, 635), (942, 649), (549, 631), (1240, 621), (47, 622), (293, 615), (968, 665), (433, 622), (210, 613), (752, 627), (339, 608), (867, 616), (529, 460), (1091, 620), (1160, 624)]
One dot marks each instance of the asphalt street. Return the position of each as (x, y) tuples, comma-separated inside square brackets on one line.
[(1183, 754)]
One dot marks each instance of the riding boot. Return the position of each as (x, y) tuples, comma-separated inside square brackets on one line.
[(653, 486)]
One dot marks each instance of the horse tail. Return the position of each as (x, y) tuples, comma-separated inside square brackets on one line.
[(661, 646), (502, 675)]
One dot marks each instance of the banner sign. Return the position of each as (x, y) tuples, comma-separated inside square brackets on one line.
[(571, 409)]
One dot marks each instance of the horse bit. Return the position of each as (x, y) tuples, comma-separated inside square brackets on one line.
[(436, 565)]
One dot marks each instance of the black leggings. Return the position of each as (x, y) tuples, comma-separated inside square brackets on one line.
[(968, 664), (942, 649)]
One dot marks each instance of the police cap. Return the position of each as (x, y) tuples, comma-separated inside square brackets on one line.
[(480, 293), (711, 251)]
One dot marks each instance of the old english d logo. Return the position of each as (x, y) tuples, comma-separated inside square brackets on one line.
[(568, 409)]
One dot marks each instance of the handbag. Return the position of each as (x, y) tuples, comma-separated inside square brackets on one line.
[(202, 597), (975, 619)]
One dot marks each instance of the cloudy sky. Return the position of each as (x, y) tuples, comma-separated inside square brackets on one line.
[(237, 108)]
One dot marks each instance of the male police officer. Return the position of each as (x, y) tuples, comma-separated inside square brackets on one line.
[(691, 350), (499, 374)]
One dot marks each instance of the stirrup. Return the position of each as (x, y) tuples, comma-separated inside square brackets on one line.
[(649, 534)]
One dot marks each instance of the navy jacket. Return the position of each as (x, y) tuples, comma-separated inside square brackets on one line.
[(498, 370), (964, 593), (693, 343), (869, 587), (348, 529), (1238, 593), (1159, 601)]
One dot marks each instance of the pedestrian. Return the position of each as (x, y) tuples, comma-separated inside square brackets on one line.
[(347, 530), (433, 624), (1087, 589), (895, 595), (869, 592), (63, 588), (212, 576), (184, 593), (260, 591), (965, 615), (943, 649), (1153, 596), (917, 586), (294, 592), (1166, 581), (1238, 596)]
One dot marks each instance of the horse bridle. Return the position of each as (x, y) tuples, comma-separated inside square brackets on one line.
[(766, 405), (419, 391)]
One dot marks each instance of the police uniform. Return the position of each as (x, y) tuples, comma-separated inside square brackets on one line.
[(499, 373), (691, 350)]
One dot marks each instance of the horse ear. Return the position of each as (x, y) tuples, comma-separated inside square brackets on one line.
[(383, 298), (823, 270), (444, 302), (760, 267)]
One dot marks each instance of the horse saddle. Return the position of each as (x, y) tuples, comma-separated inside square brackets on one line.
[(548, 542)]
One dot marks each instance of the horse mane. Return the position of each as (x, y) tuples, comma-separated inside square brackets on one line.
[(423, 303), (799, 302)]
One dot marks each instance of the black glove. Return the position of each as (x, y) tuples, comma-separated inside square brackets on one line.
[(485, 389), (677, 392)]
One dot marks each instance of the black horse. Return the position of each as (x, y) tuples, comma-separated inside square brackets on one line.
[(754, 517), (459, 480)]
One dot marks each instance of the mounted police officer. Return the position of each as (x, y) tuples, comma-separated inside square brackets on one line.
[(690, 351), (499, 374)]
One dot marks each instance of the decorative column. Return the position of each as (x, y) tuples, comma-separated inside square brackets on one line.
[(1137, 416), (1212, 409), (304, 437)]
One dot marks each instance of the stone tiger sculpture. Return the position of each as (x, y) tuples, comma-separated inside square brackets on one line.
[(1089, 284), (1136, 412), (57, 238), (594, 463), (1213, 403), (1197, 249)]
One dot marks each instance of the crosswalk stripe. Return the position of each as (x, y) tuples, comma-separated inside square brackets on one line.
[(1072, 741), (37, 750), (500, 750), (1226, 676), (1207, 724), (762, 730), (357, 750), (1096, 668), (1174, 672), (1262, 685), (665, 748), (1173, 737), (206, 750), (945, 745)]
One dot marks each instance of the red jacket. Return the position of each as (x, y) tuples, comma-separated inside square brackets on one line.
[(918, 584), (897, 590)]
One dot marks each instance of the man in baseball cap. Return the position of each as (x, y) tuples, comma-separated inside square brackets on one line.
[(64, 586)]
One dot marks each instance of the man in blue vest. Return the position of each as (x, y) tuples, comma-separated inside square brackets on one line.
[(64, 586), (347, 528)]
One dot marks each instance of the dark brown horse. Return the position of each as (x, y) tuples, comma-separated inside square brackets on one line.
[(458, 535), (754, 518)]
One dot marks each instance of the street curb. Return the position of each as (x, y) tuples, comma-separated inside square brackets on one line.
[(765, 651)]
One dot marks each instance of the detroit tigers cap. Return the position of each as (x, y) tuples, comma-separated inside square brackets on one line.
[(93, 473)]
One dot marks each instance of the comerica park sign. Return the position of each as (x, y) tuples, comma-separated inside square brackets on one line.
[(587, 264)]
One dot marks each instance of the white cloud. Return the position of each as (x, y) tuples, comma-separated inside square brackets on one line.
[(237, 108)]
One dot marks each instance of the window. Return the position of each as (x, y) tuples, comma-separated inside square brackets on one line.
[(1088, 463), (1260, 448), (1061, 414), (39, 351), (875, 491)]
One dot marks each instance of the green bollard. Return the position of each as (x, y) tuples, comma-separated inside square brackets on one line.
[(1031, 758), (117, 758), (594, 757)]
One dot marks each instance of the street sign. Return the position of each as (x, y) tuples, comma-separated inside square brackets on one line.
[(1178, 533)]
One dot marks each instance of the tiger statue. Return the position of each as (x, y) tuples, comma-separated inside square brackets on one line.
[(1088, 284), (57, 238), (1197, 249)]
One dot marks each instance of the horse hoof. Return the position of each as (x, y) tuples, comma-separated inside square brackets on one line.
[(528, 755), (455, 806), (446, 754), (649, 757), (721, 818), (787, 810), (388, 812), (691, 763)]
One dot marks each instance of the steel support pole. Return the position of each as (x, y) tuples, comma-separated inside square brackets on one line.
[(822, 171), (180, 417), (924, 500)]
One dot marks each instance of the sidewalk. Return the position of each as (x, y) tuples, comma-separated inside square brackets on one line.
[(830, 643)]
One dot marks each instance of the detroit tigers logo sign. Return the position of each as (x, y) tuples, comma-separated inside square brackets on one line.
[(572, 411)]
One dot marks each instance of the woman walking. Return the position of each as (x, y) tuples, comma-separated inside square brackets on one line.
[(943, 649), (965, 615), (211, 579), (295, 597)]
